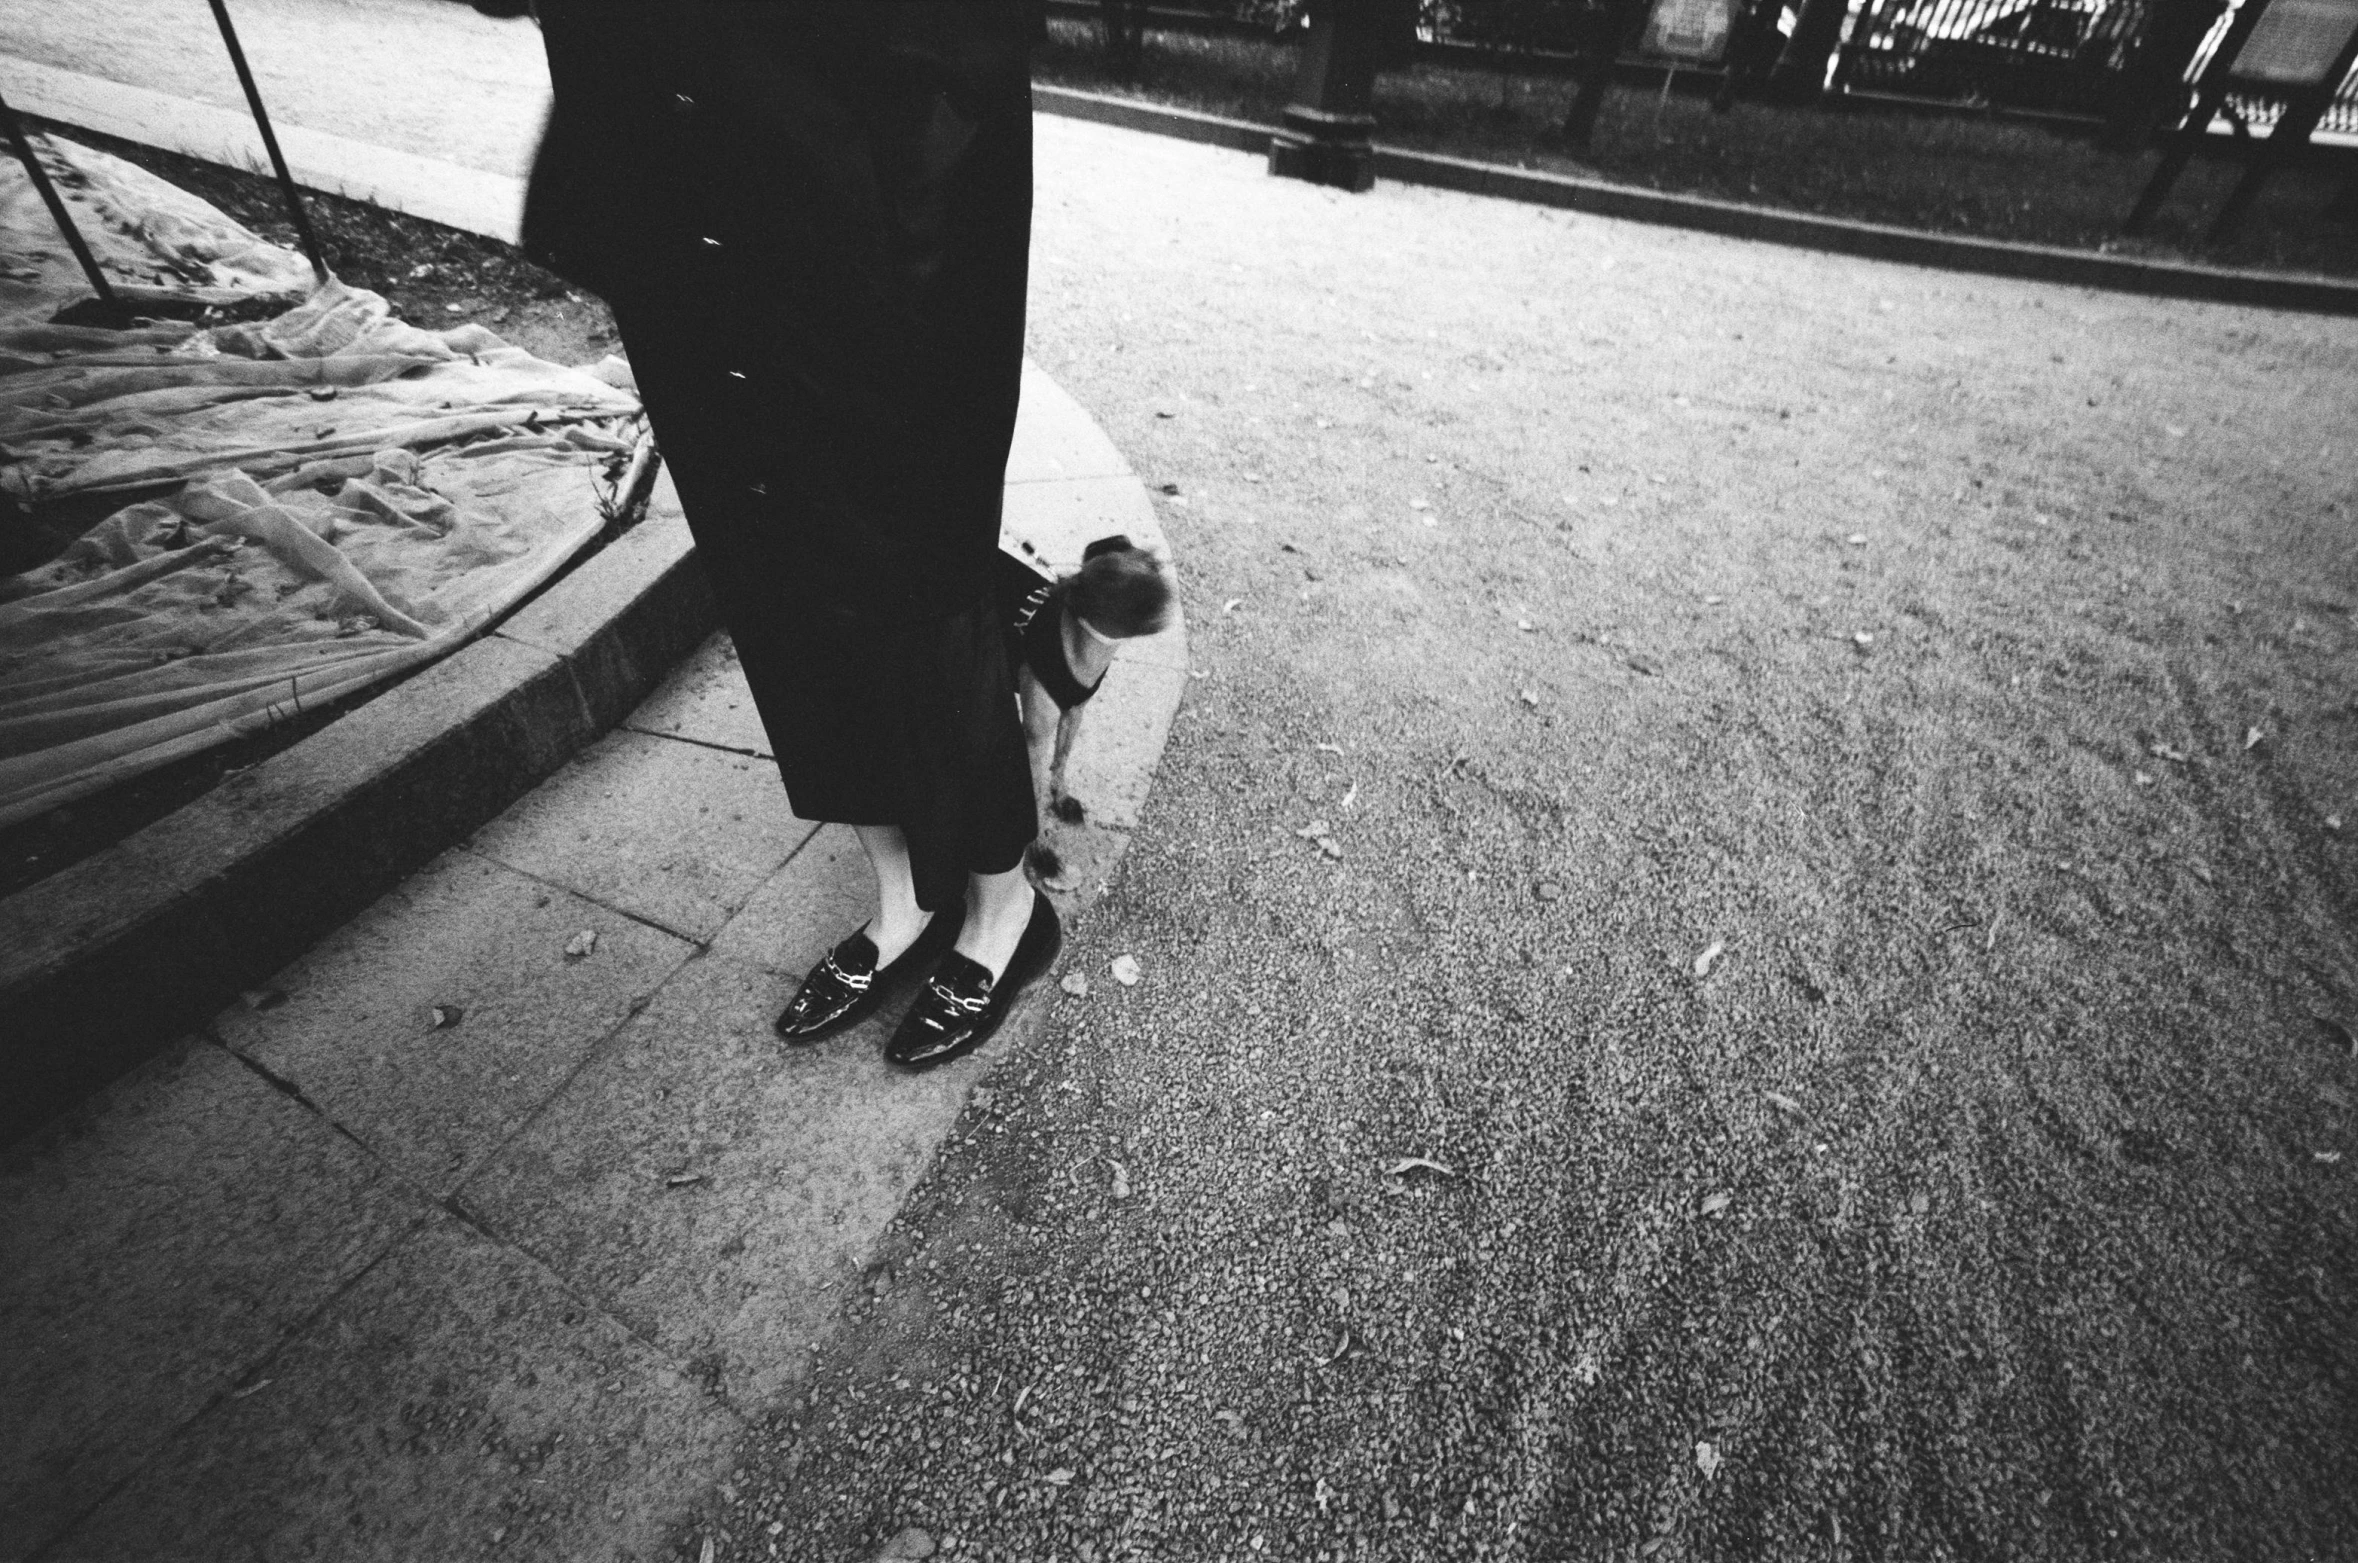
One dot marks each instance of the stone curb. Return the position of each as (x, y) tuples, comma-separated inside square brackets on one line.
[(104, 962), (1731, 219)]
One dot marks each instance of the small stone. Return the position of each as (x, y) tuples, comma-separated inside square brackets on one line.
[(1125, 970), (910, 1543), (1548, 890), (259, 999), (581, 945)]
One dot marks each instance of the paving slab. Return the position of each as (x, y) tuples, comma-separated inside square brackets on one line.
[(357, 1033), (705, 701), (1111, 767), (715, 1190), (824, 891), (458, 1402), (1055, 438), (1062, 516), (676, 833), (158, 1243)]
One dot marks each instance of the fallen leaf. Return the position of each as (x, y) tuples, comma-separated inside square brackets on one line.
[(1125, 970), (1331, 847), (1858, 539), (1121, 1180), (2338, 1031), (1062, 1476), (2328, 1157), (252, 1389), (262, 998), (1312, 831), (1644, 666), (683, 1179), (1711, 953), (1586, 1370), (1342, 1345), (1862, 639), (581, 944), (1076, 984), (1407, 1164), (1330, 748), (447, 1015), (2333, 822), (1351, 796), (1548, 890), (1232, 604), (1707, 1460), (1713, 1204), (1781, 1102), (2143, 779), (1919, 1203), (705, 1556), (1420, 504), (2165, 752), (2252, 738), (1234, 1418), (1528, 698)]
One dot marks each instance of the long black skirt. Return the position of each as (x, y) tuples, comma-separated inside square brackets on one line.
[(828, 336)]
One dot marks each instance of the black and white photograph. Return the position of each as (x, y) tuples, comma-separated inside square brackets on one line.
[(1179, 781)]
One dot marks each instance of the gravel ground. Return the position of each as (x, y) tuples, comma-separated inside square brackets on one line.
[(1609, 597)]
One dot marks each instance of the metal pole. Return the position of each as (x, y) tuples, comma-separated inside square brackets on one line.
[(286, 181), (63, 218)]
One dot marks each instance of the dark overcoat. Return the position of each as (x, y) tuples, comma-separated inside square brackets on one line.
[(811, 218)]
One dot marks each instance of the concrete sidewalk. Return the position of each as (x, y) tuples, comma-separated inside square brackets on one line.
[(489, 1225), (459, 1237)]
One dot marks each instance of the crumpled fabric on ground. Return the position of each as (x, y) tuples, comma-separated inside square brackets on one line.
[(150, 237), (312, 504), (338, 375), (177, 624)]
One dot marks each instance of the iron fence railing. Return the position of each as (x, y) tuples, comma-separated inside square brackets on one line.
[(2061, 57), (2056, 56)]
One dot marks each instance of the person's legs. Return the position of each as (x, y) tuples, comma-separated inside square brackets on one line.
[(998, 908), (899, 919)]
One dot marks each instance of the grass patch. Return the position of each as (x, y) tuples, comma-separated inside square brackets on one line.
[(1944, 173)]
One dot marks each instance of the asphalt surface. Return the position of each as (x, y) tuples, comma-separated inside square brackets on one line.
[(1609, 597)]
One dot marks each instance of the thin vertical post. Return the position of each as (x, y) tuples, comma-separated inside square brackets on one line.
[(58, 212), (286, 180)]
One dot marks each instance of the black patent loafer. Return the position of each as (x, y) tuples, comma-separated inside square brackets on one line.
[(845, 987), (961, 1007)]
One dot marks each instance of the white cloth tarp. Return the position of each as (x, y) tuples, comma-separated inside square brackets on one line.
[(148, 235), (313, 503)]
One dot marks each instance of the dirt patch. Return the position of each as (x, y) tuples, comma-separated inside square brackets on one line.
[(1988, 1195)]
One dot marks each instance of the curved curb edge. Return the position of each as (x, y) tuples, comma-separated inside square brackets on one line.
[(1731, 219), (103, 963)]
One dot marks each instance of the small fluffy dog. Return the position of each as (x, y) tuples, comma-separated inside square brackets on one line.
[(1062, 635)]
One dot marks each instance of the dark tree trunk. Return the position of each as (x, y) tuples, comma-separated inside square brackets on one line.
[(1800, 72), (1753, 44), (1125, 37), (1605, 26), (2152, 92)]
